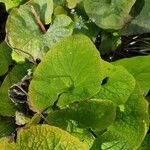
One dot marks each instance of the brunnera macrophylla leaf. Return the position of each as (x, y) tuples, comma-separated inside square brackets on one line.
[(5, 58), (71, 71), (109, 14), (139, 68), (26, 32), (130, 126), (94, 113), (117, 85), (7, 107), (6, 127), (43, 137), (140, 24)]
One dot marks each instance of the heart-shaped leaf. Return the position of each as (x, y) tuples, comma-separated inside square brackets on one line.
[(72, 70), (43, 137), (26, 32), (108, 14)]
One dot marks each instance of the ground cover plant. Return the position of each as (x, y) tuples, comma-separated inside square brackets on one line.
[(74, 74)]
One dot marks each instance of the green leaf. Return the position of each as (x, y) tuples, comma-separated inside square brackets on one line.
[(146, 143), (72, 3), (7, 108), (5, 58), (95, 113), (43, 137), (12, 3), (72, 70), (6, 127), (109, 14), (109, 42), (130, 126), (118, 84), (29, 38), (139, 68), (140, 24)]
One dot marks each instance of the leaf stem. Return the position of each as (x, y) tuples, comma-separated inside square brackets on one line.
[(38, 20)]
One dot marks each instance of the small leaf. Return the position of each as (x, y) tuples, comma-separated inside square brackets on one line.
[(6, 127), (72, 70), (73, 3), (7, 108), (26, 32), (43, 137), (139, 68), (130, 126), (5, 58), (109, 14), (95, 113)]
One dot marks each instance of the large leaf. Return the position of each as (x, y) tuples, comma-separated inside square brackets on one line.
[(6, 126), (139, 68), (96, 114), (25, 27), (130, 126), (108, 14), (70, 71), (43, 137), (7, 108), (5, 58), (140, 24), (118, 84)]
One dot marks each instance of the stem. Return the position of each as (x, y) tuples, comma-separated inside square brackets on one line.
[(38, 20)]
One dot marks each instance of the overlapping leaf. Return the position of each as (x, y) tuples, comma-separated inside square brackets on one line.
[(130, 126), (71, 70), (43, 137), (5, 58), (140, 24), (118, 86), (26, 31), (7, 108), (96, 114), (109, 14)]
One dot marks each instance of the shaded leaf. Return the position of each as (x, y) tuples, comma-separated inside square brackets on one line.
[(95, 113), (7, 108), (72, 3), (139, 68), (140, 24), (146, 143), (109, 14), (72, 70), (5, 58), (6, 127)]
